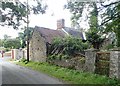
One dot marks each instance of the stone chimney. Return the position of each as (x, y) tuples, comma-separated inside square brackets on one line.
[(60, 24)]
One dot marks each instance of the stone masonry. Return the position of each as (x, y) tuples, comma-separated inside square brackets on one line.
[(90, 56), (37, 48), (115, 64)]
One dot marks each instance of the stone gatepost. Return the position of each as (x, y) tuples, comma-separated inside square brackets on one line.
[(90, 57), (114, 63)]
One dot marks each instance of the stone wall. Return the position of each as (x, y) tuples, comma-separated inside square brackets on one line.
[(87, 63), (77, 63), (115, 64), (90, 57), (37, 48), (114, 68)]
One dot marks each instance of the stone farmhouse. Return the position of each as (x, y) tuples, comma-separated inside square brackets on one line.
[(42, 37)]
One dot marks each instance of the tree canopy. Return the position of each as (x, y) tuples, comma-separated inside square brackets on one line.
[(22, 36), (14, 13), (12, 44), (103, 17)]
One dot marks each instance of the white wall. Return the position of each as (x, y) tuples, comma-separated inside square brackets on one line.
[(19, 53)]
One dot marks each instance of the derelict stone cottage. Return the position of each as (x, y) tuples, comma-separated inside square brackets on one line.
[(43, 36)]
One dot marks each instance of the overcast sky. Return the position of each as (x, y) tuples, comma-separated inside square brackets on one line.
[(54, 12), (55, 7)]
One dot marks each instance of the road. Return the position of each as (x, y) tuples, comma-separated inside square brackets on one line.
[(15, 74)]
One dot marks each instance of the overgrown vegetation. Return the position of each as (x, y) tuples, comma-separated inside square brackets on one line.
[(63, 48), (70, 76)]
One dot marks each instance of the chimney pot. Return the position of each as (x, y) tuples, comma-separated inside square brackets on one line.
[(60, 24)]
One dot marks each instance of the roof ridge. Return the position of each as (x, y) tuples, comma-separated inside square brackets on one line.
[(44, 28)]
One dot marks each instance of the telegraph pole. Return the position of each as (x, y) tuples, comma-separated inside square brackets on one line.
[(27, 32)]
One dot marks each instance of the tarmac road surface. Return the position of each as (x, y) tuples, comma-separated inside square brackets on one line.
[(15, 74)]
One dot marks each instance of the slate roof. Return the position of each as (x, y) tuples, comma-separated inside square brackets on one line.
[(74, 32), (49, 34)]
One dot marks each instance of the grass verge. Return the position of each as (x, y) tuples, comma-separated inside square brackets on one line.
[(69, 75)]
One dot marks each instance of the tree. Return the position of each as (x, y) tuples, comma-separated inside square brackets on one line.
[(77, 9), (111, 19), (12, 44), (6, 37), (23, 36), (100, 10), (17, 12), (20, 12), (93, 34), (14, 15)]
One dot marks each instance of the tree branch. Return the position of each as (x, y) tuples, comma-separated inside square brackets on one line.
[(110, 18), (110, 4), (24, 20)]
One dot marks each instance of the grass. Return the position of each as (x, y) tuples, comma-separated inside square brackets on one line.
[(69, 75)]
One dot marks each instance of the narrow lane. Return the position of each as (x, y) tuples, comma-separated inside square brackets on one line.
[(15, 74)]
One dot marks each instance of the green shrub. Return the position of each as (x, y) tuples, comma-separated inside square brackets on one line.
[(69, 45)]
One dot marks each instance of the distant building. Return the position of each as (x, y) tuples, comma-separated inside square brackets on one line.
[(42, 37)]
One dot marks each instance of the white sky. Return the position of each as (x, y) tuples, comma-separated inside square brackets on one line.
[(45, 20)]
